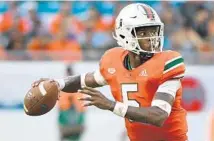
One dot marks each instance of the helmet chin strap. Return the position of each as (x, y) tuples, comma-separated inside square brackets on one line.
[(145, 56)]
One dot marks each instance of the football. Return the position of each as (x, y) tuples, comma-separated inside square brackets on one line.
[(41, 99)]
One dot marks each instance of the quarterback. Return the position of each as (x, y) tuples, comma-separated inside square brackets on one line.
[(144, 80)]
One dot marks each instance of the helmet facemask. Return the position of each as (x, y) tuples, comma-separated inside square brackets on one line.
[(148, 41)]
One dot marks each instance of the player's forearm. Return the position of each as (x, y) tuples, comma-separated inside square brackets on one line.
[(151, 115), (73, 83)]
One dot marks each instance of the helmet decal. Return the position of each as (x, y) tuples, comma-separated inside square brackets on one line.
[(147, 11)]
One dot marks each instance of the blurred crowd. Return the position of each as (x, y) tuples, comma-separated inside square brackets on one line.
[(78, 28)]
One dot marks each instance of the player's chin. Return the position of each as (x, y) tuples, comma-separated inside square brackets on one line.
[(146, 46)]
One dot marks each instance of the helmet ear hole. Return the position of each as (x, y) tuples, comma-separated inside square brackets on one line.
[(122, 36), (127, 42)]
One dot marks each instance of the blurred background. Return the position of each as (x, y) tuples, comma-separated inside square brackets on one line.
[(55, 39)]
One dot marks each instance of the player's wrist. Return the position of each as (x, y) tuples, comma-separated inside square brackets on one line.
[(120, 109), (61, 83), (111, 106)]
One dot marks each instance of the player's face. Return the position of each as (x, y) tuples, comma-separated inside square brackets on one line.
[(147, 43)]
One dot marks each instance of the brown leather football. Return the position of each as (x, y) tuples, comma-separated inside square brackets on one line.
[(41, 99)]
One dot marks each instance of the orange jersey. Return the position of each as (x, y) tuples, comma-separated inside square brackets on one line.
[(137, 88)]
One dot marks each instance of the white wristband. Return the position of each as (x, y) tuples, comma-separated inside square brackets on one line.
[(82, 80), (99, 78), (120, 109), (61, 83)]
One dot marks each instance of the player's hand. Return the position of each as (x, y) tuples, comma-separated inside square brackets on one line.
[(36, 83), (96, 99)]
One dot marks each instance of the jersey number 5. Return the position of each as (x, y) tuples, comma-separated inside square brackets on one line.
[(127, 91)]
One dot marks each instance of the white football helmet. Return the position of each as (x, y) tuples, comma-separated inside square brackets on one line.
[(133, 16)]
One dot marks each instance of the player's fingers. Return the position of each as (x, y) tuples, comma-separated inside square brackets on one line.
[(36, 83), (91, 89), (88, 104), (86, 99), (43, 79), (54, 81), (33, 85), (84, 91)]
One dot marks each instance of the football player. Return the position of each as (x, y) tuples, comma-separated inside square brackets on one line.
[(144, 80)]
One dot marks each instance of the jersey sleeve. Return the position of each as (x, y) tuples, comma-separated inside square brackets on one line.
[(104, 61), (107, 62), (170, 87), (174, 67)]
